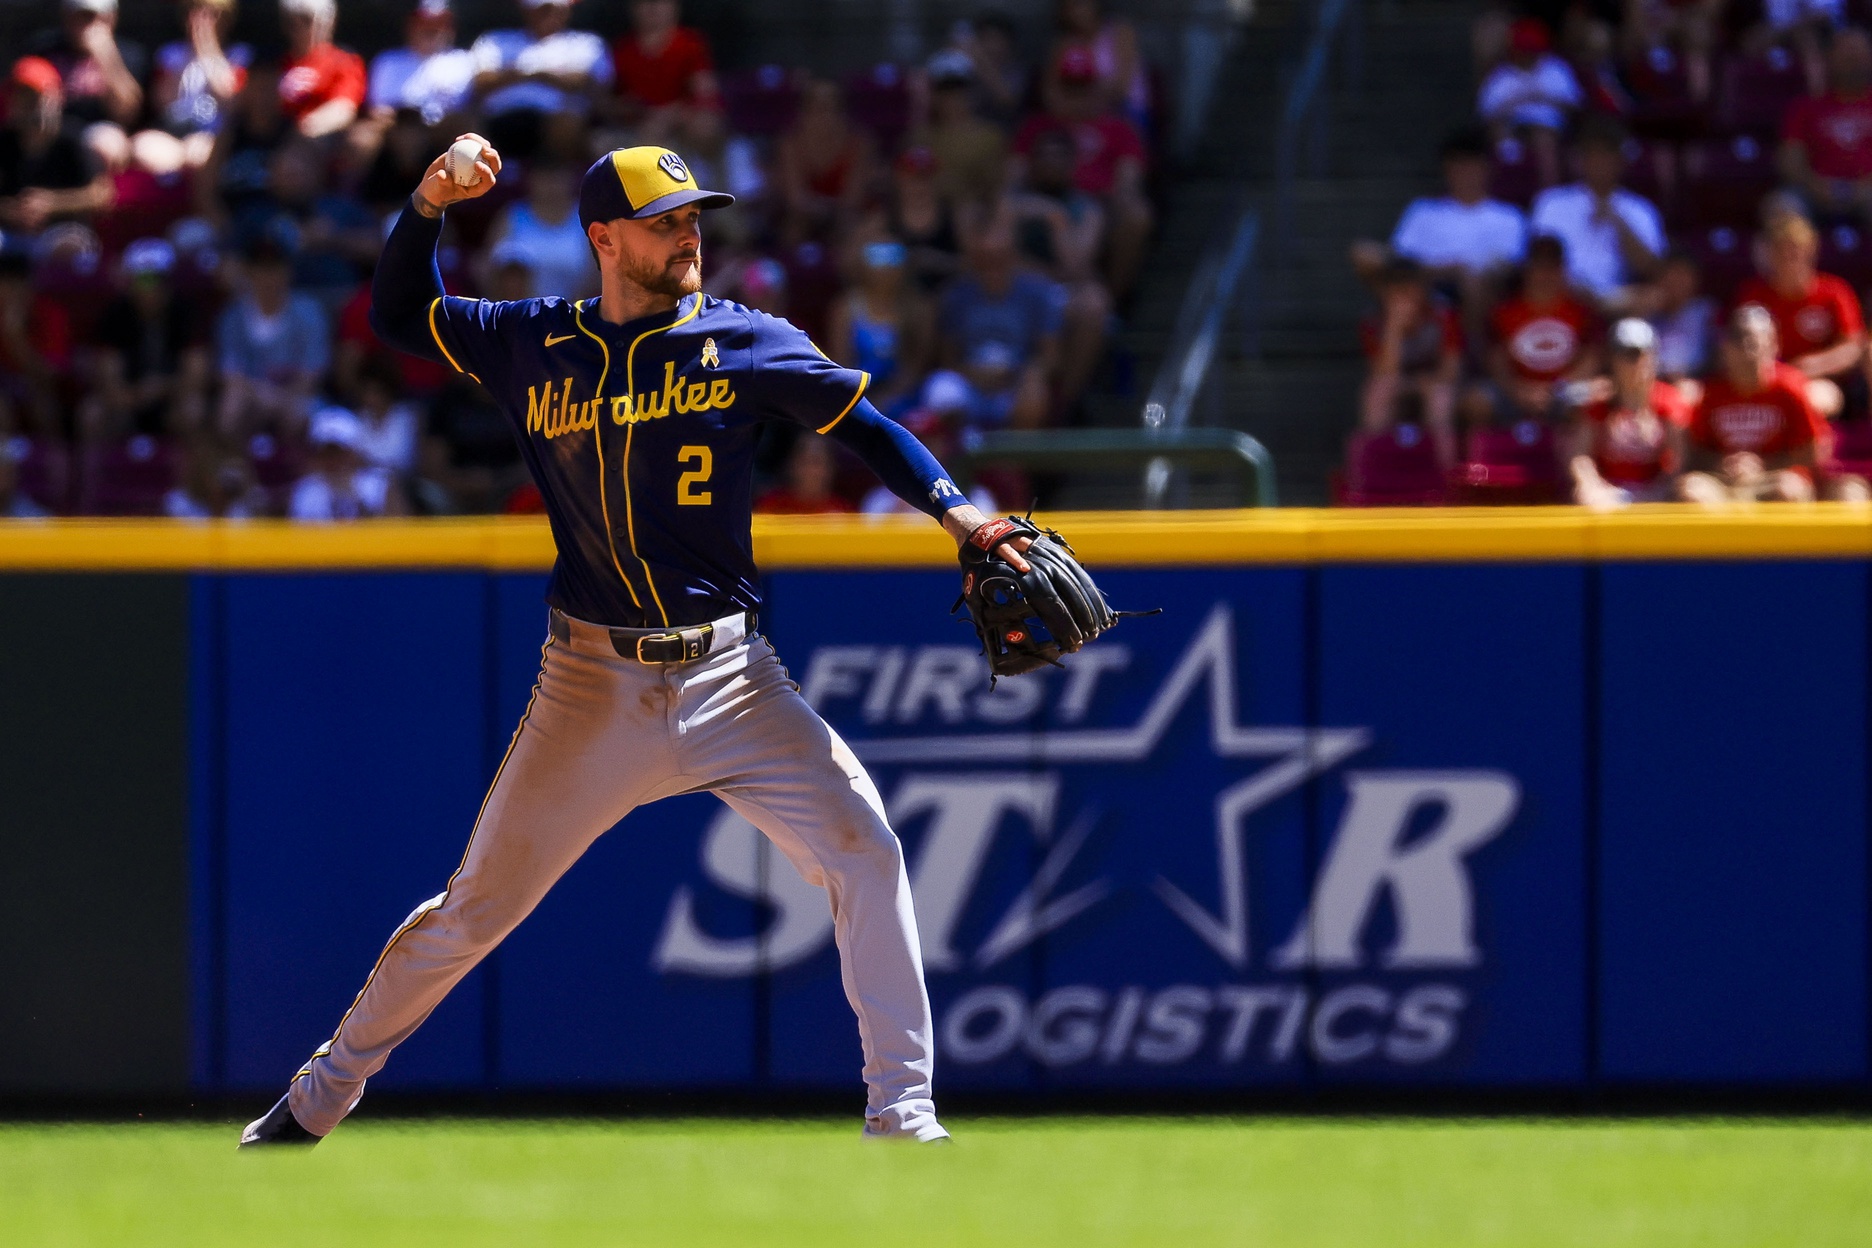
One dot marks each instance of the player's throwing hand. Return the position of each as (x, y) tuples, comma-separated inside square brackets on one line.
[(440, 185)]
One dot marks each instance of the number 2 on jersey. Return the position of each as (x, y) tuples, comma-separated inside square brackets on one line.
[(687, 495)]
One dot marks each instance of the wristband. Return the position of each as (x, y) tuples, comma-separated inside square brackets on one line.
[(991, 533)]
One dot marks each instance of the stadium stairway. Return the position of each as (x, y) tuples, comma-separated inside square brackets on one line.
[(1387, 110)]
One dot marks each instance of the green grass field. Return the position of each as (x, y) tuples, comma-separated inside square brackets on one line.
[(1030, 1182)]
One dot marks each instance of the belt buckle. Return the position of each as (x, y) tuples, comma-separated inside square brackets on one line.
[(690, 644)]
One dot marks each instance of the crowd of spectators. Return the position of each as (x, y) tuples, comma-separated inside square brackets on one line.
[(187, 237), (1643, 279)]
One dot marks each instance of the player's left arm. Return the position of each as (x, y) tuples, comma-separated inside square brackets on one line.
[(801, 385), (909, 471)]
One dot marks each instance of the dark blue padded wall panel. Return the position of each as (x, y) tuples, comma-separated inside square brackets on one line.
[(355, 729), (1733, 822), (518, 627), (1112, 863), (1206, 808), (1047, 820), (1447, 937), (584, 1002)]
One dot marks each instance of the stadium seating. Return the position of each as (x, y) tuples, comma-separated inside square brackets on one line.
[(127, 478), (1852, 448), (78, 280), (1512, 175), (1397, 468), (1662, 107), (760, 101), (1846, 252), (1755, 92), (44, 468), (1730, 176), (1651, 171), (1518, 465), (879, 100), (1725, 256)]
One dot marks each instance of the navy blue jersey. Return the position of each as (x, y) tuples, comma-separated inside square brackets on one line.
[(641, 436)]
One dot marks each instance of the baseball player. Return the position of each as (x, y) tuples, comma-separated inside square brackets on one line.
[(638, 413)]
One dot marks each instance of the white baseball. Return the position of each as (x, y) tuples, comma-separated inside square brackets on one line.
[(461, 162)]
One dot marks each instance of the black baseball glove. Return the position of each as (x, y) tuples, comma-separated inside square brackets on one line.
[(1026, 619)]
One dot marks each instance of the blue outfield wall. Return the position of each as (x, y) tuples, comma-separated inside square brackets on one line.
[(1484, 825)]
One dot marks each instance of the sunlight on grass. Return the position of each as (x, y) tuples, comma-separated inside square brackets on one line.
[(1061, 1181)]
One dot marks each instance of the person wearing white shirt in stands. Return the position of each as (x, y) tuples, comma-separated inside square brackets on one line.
[(1532, 86), (1463, 240), (342, 485), (1531, 94), (1463, 233), (1614, 238), (391, 428), (544, 232), (537, 84), (428, 73)]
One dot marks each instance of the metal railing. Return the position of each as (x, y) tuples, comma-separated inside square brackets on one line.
[(1194, 342), (1304, 115), (1208, 37), (1119, 450), (1224, 280)]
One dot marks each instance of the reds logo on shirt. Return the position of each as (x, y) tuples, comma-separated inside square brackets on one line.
[(1633, 437), (297, 84), (1544, 345), (1746, 426), (1814, 323)]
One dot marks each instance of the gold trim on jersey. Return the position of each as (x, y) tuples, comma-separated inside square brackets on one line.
[(864, 382), (604, 505), (578, 318), (630, 387), (433, 305)]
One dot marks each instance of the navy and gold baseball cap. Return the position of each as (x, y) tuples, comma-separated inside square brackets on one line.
[(641, 182)]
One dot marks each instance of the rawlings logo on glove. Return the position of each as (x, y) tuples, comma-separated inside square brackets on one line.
[(1026, 619)]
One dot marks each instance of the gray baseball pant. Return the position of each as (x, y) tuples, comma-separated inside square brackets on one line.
[(603, 735)]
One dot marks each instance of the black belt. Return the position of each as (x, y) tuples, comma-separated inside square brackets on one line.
[(683, 645)]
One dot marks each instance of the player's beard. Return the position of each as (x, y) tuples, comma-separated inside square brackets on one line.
[(674, 278)]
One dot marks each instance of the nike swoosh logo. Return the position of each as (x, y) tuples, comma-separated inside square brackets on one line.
[(553, 342)]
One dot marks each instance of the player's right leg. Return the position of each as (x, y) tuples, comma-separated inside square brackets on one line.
[(590, 747)]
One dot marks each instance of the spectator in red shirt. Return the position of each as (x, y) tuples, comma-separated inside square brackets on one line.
[(1111, 161), (356, 343), (1754, 434), (35, 351), (806, 485), (661, 67), (1086, 28), (1816, 315), (1415, 346), (1826, 140), (1627, 446), (1542, 336), (323, 84)]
